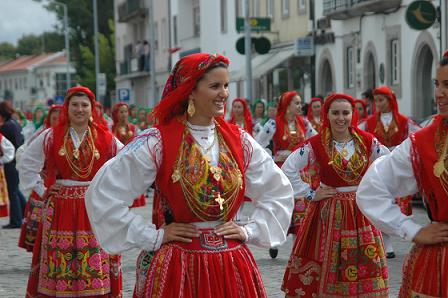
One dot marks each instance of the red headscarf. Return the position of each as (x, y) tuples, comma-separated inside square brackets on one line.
[(309, 113), (248, 125), (364, 105), (326, 109), (130, 128), (115, 111), (52, 109), (181, 82), (101, 116), (280, 143), (400, 120)]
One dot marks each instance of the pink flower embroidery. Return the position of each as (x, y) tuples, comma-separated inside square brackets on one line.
[(64, 243), (106, 267), (79, 285), (61, 285), (51, 284), (95, 262), (80, 243), (97, 283), (93, 243)]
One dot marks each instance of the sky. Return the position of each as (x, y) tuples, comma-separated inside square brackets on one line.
[(21, 17)]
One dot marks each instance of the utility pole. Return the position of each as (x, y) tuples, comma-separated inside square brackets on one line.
[(97, 54), (248, 51), (67, 43), (152, 60), (313, 57)]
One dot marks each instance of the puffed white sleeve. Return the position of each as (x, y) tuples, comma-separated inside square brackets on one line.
[(7, 151), (378, 150), (113, 190), (292, 166), (389, 177), (310, 131), (31, 164), (271, 194), (266, 134)]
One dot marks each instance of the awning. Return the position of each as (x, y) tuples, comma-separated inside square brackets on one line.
[(262, 64)]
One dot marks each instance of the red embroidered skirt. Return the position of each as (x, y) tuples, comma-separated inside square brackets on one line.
[(337, 253), (4, 199), (298, 214), (209, 266), (67, 259), (425, 272), (33, 215)]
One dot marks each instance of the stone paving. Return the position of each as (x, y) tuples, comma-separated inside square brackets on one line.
[(15, 263)]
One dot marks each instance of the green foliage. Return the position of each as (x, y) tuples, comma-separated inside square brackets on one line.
[(47, 42), (7, 51), (80, 20)]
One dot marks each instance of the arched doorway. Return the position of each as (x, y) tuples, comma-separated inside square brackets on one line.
[(370, 78), (326, 79), (423, 85)]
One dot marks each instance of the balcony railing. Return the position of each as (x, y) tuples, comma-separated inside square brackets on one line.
[(131, 9), (345, 9)]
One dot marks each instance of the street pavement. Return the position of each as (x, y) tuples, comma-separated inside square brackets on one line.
[(15, 262)]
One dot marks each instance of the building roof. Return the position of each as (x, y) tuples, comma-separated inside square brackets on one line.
[(28, 62)]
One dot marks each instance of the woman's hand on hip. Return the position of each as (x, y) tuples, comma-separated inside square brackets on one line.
[(231, 230), (181, 232)]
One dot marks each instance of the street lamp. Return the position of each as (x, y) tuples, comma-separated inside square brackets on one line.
[(67, 46), (97, 55)]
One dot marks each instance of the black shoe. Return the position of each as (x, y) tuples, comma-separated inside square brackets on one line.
[(273, 252), (11, 226), (390, 255)]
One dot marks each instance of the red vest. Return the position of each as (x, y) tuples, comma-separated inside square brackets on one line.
[(391, 138), (424, 156), (283, 141), (172, 193), (327, 173)]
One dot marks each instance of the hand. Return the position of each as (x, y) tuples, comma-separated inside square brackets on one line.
[(54, 189), (433, 233), (231, 230), (181, 232), (324, 192)]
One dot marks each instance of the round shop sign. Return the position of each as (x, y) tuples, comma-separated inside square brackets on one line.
[(421, 14)]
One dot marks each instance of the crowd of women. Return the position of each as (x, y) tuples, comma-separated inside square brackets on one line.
[(338, 178)]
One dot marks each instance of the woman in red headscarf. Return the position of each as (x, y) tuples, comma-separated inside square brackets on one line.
[(241, 115), (313, 114), (122, 129), (67, 259), (337, 252), (417, 164), (203, 167), (361, 106), (391, 128), (35, 203)]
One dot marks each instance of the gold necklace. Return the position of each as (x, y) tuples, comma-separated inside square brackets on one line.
[(344, 151), (439, 166)]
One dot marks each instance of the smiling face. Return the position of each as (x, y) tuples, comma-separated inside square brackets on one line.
[(441, 90), (238, 109), (382, 103), (316, 107), (210, 95), (295, 106), (79, 110), (340, 116)]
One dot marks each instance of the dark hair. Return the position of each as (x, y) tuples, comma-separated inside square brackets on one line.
[(214, 66), (6, 110), (444, 61)]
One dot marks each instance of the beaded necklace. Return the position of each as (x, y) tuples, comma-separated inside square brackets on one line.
[(210, 191), (440, 167)]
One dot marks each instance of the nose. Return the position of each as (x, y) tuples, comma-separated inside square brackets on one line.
[(224, 92)]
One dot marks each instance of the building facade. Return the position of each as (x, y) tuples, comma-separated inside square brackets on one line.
[(368, 43), (29, 81)]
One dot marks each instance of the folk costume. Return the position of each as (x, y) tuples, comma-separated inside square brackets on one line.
[(67, 258), (337, 252), (6, 155), (315, 121), (201, 174), (362, 117), (286, 137), (36, 202), (247, 125)]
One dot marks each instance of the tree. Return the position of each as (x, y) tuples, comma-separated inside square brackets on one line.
[(29, 45), (80, 19), (7, 51)]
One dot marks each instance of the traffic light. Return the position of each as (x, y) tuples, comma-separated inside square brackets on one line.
[(262, 45)]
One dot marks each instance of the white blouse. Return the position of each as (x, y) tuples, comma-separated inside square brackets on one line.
[(7, 150), (33, 160), (389, 177), (304, 155), (134, 169)]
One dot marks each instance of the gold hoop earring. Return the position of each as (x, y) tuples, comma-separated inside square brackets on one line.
[(191, 109)]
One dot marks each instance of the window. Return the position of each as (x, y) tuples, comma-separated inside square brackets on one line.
[(270, 9), (175, 30), (350, 79), (301, 5), (196, 18), (223, 16), (285, 8), (395, 61)]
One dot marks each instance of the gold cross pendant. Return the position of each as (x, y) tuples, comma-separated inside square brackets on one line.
[(220, 201)]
